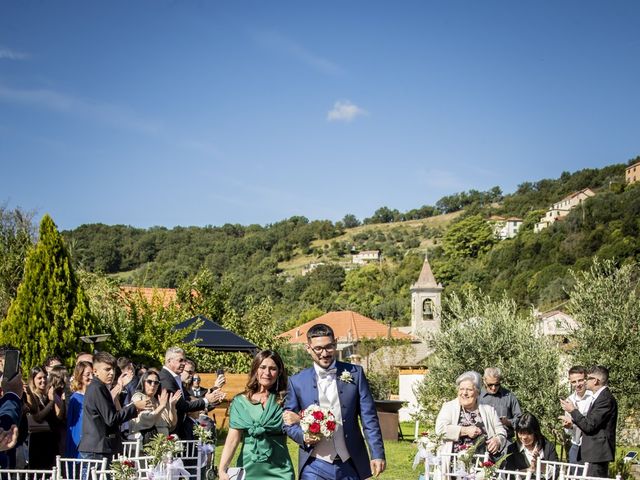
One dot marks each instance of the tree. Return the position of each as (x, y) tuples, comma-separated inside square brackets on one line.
[(468, 238), (604, 301), (51, 311), (478, 332), (17, 234), (350, 221)]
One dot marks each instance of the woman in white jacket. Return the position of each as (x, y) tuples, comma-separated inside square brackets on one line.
[(464, 419)]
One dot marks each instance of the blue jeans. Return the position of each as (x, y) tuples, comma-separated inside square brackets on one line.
[(317, 469), (84, 474)]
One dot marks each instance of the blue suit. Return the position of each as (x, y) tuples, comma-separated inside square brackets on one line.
[(355, 400), (10, 414)]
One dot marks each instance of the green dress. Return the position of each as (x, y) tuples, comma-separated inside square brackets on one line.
[(264, 453)]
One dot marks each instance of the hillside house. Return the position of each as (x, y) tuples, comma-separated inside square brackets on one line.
[(562, 208), (365, 257), (504, 227), (632, 173), (556, 324)]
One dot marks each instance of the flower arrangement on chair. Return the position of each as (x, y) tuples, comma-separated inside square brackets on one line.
[(162, 448), (467, 455), (124, 469)]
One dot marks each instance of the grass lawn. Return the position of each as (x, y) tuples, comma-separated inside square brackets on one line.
[(399, 456)]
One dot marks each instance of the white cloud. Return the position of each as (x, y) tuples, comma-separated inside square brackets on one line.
[(8, 54), (344, 111), (282, 44)]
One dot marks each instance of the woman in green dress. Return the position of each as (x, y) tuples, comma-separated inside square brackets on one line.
[(255, 420)]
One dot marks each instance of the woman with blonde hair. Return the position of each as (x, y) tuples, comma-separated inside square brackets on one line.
[(82, 376)]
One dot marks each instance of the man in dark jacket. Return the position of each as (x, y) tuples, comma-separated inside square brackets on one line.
[(598, 426), (170, 381), (100, 419)]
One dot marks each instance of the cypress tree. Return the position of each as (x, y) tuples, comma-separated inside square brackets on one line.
[(50, 311)]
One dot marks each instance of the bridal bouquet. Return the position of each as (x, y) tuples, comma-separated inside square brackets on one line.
[(317, 422)]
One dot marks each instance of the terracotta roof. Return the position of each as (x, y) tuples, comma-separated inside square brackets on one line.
[(426, 279), (347, 326), (587, 191), (167, 295)]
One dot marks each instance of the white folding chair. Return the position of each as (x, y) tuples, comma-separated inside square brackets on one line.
[(101, 474), (574, 477), (550, 470), (451, 465), (144, 466), (26, 474), (191, 458), (132, 448), (77, 468), (502, 474)]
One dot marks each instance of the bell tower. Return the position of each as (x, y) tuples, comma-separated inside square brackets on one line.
[(425, 302)]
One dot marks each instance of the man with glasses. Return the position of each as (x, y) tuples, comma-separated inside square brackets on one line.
[(170, 380), (582, 399), (505, 402), (598, 426), (343, 389)]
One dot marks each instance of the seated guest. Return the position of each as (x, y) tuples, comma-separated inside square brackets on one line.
[(161, 417), (82, 376), (530, 445), (463, 420), (100, 419)]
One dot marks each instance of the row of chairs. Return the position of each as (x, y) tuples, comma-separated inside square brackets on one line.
[(449, 466), (192, 456)]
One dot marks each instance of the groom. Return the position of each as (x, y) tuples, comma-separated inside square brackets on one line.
[(342, 388)]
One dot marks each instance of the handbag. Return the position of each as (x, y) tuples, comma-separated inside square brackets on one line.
[(148, 434), (236, 473), (36, 426)]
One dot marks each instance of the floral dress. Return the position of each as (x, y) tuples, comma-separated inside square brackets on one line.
[(469, 419)]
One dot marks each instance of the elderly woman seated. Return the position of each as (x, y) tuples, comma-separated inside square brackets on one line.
[(463, 420)]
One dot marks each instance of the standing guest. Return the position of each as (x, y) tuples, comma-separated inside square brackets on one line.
[(464, 419), (84, 357), (51, 361), (46, 408), (170, 380), (187, 374), (343, 388), (10, 416), (502, 400), (582, 399), (598, 426), (57, 381), (100, 419), (256, 420), (126, 369), (82, 376), (161, 417), (531, 445), (196, 390)]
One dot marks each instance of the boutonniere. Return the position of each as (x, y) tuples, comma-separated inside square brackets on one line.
[(346, 377)]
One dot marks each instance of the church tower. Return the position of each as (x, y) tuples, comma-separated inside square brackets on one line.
[(425, 302)]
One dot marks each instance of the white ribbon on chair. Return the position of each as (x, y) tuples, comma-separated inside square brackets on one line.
[(204, 451), (172, 470)]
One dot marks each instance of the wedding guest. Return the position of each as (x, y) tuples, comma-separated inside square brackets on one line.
[(82, 376), (170, 380), (464, 419), (57, 381), (45, 408), (161, 416), (582, 398), (504, 401), (531, 445), (255, 420), (100, 419)]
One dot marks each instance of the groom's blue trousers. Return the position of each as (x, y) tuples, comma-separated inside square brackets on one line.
[(316, 469)]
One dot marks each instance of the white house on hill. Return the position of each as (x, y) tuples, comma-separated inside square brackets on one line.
[(504, 227), (562, 208)]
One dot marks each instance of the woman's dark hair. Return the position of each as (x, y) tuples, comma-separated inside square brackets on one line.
[(57, 378), (143, 381), (32, 375), (279, 388), (528, 423)]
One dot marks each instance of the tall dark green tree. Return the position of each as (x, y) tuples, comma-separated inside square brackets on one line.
[(50, 311)]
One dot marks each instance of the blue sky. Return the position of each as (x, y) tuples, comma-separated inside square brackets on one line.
[(211, 112)]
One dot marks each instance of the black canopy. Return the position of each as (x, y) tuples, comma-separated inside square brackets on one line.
[(215, 337)]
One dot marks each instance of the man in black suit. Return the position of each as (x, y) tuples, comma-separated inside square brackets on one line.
[(174, 362), (100, 419), (598, 426)]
